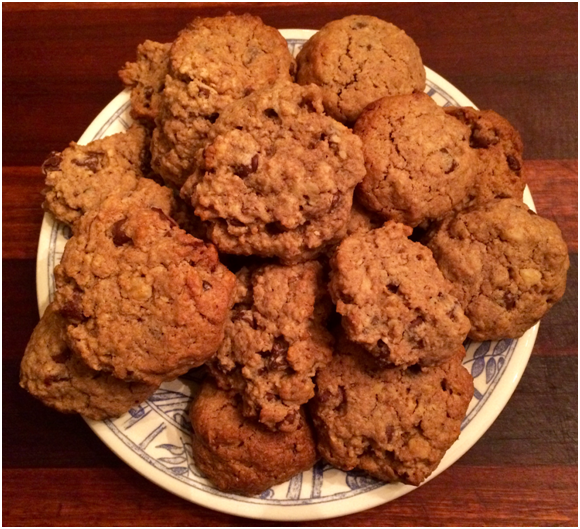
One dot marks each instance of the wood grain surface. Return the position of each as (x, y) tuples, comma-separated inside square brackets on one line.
[(59, 70)]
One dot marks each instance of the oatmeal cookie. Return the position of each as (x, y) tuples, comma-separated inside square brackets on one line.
[(393, 299), (60, 379), (357, 60), (275, 341), (79, 178), (146, 79), (239, 455), (278, 175), (212, 63), (144, 300), (418, 159), (507, 266), (499, 148), (394, 423)]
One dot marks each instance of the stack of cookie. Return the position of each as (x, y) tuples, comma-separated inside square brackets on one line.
[(369, 230)]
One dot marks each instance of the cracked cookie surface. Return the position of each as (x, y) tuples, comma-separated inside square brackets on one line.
[(278, 175), (507, 266), (499, 148), (52, 373), (239, 455), (146, 79), (213, 62), (393, 299), (81, 177), (396, 424), (418, 160), (144, 300), (357, 60), (275, 341)]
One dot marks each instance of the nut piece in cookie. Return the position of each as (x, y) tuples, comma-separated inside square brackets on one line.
[(507, 266), (213, 62), (499, 147), (239, 455), (393, 299), (60, 379), (275, 341), (146, 79), (357, 60), (278, 175), (79, 178), (144, 300), (418, 160), (394, 423)]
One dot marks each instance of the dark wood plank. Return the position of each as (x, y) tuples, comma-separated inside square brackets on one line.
[(554, 188), (529, 50), (21, 211), (489, 496)]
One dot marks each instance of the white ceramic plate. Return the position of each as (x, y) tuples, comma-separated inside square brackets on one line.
[(154, 438)]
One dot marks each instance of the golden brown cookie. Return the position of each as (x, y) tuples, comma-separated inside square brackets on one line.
[(275, 341), (499, 148), (507, 266), (144, 300), (278, 175), (357, 60), (418, 159), (393, 299), (239, 455), (213, 62), (146, 79), (79, 178), (396, 424), (60, 379)]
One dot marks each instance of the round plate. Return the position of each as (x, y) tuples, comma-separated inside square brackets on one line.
[(154, 438)]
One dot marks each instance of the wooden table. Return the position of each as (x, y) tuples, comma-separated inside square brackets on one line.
[(59, 71)]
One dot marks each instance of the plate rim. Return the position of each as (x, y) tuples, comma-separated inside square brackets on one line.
[(489, 412)]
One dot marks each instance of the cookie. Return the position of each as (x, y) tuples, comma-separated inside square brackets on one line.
[(145, 301), (212, 63), (239, 455), (507, 266), (278, 175), (393, 299), (394, 423), (52, 373), (146, 79), (357, 60), (275, 341), (418, 160), (79, 178), (499, 148)]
